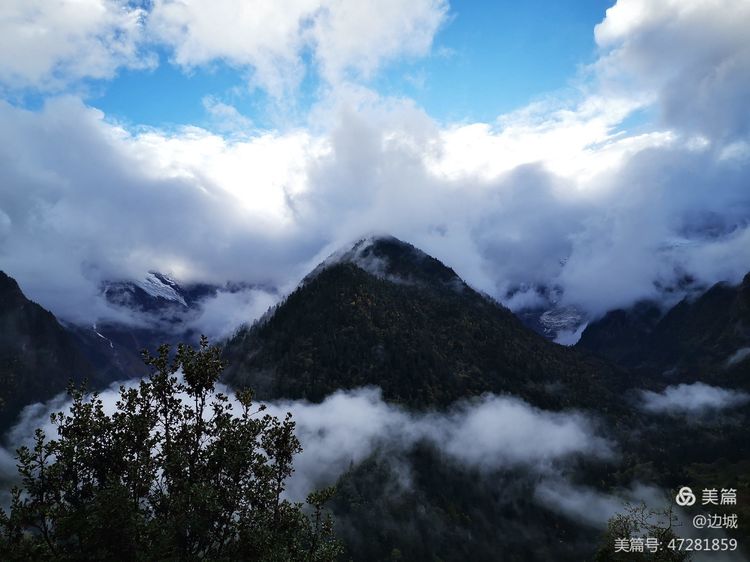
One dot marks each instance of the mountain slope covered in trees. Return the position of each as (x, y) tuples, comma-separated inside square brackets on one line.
[(398, 319), (703, 338), (38, 356)]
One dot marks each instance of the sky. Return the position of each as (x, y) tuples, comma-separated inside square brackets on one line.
[(598, 149)]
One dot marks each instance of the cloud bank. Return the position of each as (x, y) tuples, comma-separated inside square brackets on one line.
[(490, 433), (261, 209), (592, 506), (49, 46), (270, 38), (696, 398), (738, 356), (691, 57), (622, 193)]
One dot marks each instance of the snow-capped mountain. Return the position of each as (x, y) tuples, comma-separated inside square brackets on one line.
[(389, 258), (158, 309), (549, 316), (159, 293), (162, 287)]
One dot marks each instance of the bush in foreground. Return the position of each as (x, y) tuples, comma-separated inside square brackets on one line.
[(173, 474)]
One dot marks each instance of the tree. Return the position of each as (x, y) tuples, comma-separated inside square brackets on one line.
[(175, 473)]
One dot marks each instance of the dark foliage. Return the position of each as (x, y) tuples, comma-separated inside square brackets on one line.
[(422, 507), (33, 342), (425, 344), (693, 341), (418, 332), (173, 474), (427, 339)]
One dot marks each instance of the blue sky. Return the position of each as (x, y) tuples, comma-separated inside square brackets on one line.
[(488, 58), (493, 57)]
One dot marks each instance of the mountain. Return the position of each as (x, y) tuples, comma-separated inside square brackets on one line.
[(159, 310), (704, 338), (114, 350), (385, 313), (154, 310), (559, 323), (158, 293), (38, 356)]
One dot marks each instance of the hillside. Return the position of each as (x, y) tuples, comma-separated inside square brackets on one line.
[(384, 313), (704, 338), (37, 355), (387, 314)]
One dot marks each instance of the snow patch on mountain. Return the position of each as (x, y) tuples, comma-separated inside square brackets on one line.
[(359, 255), (105, 338), (388, 258), (560, 318), (161, 286), (541, 309)]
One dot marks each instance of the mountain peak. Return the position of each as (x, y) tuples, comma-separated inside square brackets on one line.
[(161, 286), (37, 355), (8, 285), (389, 258), (384, 313), (11, 295)]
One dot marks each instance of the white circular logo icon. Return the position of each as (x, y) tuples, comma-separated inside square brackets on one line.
[(685, 496)]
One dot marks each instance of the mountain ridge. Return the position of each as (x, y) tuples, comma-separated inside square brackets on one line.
[(33, 343), (387, 257), (425, 342), (701, 338)]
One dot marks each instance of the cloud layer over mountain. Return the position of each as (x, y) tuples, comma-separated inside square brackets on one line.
[(489, 433), (696, 398), (622, 193)]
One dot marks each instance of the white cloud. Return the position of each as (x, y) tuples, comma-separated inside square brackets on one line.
[(226, 117), (497, 431), (53, 45), (555, 194), (48, 44), (738, 356), (221, 314), (361, 36), (693, 398), (593, 506), (575, 142), (490, 433), (691, 56), (91, 200), (264, 36), (260, 171), (87, 201), (271, 38)]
